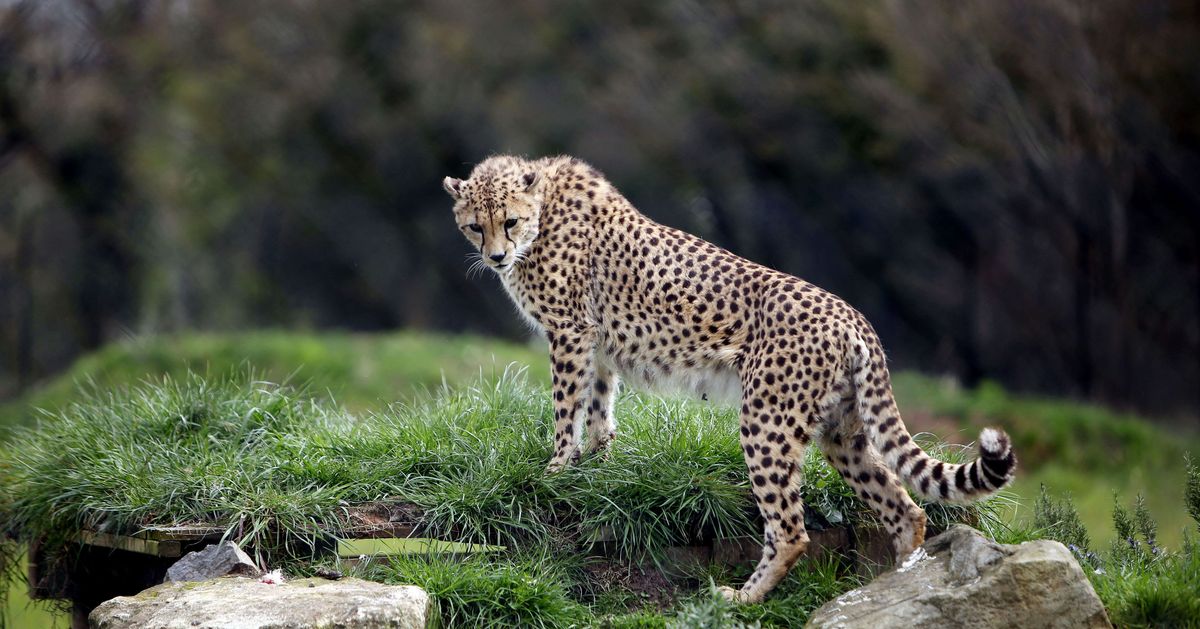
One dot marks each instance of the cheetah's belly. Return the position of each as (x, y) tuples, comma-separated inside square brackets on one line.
[(708, 380)]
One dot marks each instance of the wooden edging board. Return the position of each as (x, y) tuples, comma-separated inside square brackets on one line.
[(348, 548)]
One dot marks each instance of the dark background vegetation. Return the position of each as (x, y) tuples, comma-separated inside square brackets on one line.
[(1008, 189)]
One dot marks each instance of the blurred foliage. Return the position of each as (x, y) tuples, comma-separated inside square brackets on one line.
[(1006, 188), (1193, 490)]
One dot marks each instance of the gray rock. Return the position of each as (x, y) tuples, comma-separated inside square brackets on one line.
[(962, 579), (216, 560), (241, 603)]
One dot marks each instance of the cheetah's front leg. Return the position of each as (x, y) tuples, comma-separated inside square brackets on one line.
[(572, 365), (601, 426)]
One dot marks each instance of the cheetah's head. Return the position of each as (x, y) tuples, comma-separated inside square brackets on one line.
[(497, 208)]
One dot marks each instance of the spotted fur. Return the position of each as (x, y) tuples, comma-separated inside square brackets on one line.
[(616, 293)]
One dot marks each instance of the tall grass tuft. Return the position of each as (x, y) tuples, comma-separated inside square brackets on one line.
[(486, 592), (1192, 497)]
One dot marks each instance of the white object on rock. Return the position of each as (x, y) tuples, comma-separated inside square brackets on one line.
[(274, 577)]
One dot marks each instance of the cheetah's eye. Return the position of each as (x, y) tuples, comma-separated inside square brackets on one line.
[(475, 228), (510, 223)]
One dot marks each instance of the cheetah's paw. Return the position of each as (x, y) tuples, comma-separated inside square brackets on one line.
[(732, 595), (558, 463)]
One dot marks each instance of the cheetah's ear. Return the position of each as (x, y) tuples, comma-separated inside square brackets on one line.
[(453, 186), (529, 179)]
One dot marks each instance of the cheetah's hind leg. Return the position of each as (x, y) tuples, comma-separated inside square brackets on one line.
[(774, 452), (863, 469)]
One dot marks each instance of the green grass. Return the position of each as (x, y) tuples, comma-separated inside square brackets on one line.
[(1084, 449), (523, 592), (274, 464), (360, 371)]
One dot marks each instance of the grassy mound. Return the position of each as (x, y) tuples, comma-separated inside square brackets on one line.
[(275, 465), (1086, 450), (277, 468)]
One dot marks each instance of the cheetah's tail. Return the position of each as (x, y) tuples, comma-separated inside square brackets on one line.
[(930, 478)]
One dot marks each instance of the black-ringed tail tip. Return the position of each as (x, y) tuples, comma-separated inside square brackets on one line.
[(999, 460)]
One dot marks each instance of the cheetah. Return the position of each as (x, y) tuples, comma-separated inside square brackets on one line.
[(620, 296)]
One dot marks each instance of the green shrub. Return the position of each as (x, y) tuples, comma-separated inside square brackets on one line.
[(1058, 520), (708, 611), (1143, 584), (1136, 543)]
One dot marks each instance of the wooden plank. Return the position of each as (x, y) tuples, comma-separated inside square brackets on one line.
[(202, 532), (408, 546), (164, 548), (186, 533), (734, 551), (874, 552), (376, 531)]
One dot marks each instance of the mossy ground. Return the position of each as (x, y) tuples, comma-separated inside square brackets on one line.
[(228, 447)]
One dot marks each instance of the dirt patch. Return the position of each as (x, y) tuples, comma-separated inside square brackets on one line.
[(647, 586)]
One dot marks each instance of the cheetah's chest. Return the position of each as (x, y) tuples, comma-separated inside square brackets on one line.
[(519, 291)]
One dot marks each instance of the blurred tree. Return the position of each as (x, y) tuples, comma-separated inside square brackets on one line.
[(1006, 188)]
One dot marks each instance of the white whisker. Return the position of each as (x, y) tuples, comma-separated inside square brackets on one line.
[(477, 266)]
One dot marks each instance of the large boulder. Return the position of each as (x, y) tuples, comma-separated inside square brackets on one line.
[(241, 603), (962, 579)]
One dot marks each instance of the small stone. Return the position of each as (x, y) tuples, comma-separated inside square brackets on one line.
[(216, 560), (328, 573), (962, 579)]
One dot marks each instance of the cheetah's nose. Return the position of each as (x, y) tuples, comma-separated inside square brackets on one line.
[(497, 256)]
